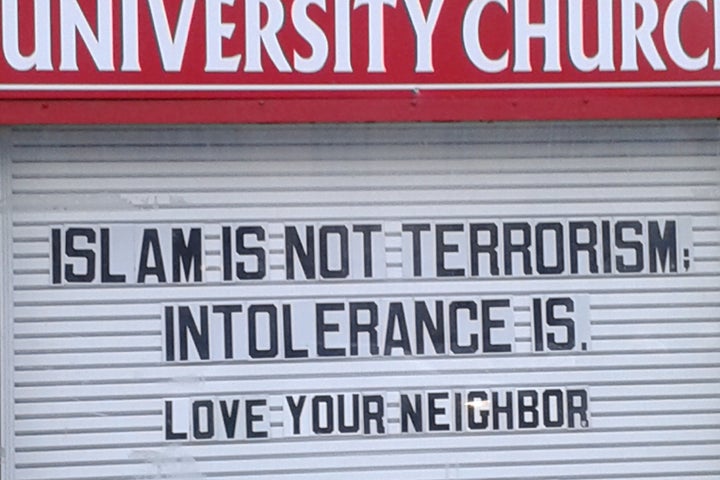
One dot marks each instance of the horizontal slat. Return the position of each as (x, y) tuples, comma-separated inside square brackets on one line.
[(491, 441), (89, 327), (100, 424), (572, 132), (684, 289), (280, 386), (292, 447), (341, 463), (409, 365), (625, 329), (521, 157), (265, 179), (672, 197), (118, 357), (103, 209), (56, 345), (659, 313)]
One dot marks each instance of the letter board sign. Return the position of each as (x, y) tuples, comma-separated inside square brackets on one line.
[(362, 302)]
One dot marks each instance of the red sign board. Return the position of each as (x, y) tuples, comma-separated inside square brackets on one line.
[(357, 60)]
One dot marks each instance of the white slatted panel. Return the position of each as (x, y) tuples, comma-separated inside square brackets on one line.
[(89, 380)]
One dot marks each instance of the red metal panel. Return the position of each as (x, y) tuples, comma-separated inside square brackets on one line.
[(356, 110), (88, 61)]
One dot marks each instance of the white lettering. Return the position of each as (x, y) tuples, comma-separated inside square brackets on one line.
[(603, 60), (548, 31), (471, 38), (424, 29), (716, 29), (72, 20), (87, 33), (313, 34), (215, 32), (671, 31), (342, 37), (376, 32), (634, 36), (131, 55), (41, 58), (256, 36), (172, 48)]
